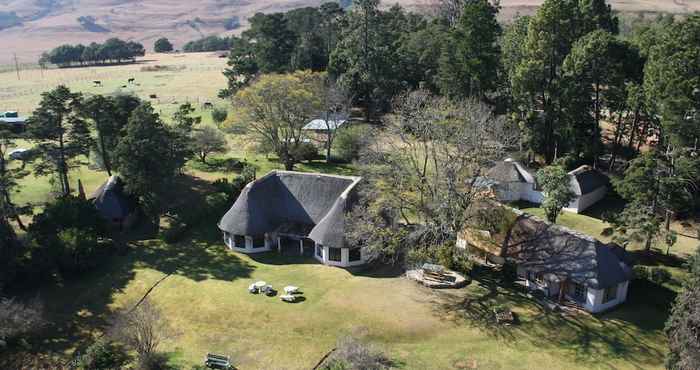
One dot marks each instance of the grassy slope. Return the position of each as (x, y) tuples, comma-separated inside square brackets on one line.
[(206, 299)]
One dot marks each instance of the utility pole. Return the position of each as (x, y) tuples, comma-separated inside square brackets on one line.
[(16, 66)]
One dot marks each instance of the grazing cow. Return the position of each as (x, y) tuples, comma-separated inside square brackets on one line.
[(97, 83), (131, 80), (207, 105)]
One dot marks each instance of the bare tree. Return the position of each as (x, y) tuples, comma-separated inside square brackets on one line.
[(422, 171), (142, 328), (19, 318), (336, 103)]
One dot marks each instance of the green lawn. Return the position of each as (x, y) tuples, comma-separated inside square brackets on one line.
[(205, 298)]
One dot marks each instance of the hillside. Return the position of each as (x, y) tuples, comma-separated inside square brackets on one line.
[(29, 27)]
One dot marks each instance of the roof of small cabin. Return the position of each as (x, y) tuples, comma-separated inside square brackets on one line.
[(283, 198), (111, 200), (320, 124), (554, 250), (587, 179), (509, 171)]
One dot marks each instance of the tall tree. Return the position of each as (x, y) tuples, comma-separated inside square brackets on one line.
[(62, 134), (101, 111), (8, 180), (537, 82), (683, 325), (273, 41), (277, 107), (672, 82), (556, 187), (145, 159), (242, 67), (471, 63), (420, 172), (597, 73), (365, 60)]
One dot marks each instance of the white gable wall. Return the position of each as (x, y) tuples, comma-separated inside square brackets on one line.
[(585, 201), (594, 300)]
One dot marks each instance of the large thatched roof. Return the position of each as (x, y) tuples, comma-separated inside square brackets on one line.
[(282, 198), (586, 179), (552, 249), (510, 171), (111, 200)]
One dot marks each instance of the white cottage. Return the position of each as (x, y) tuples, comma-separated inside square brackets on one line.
[(563, 264), (511, 182), (295, 211)]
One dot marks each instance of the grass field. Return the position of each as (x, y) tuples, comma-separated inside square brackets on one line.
[(194, 78), (205, 298)]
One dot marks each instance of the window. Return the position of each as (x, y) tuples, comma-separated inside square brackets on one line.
[(319, 251), (355, 254), (334, 254), (579, 292), (609, 294), (259, 241), (239, 241)]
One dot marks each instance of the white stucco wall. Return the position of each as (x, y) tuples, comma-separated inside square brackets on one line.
[(528, 193), (585, 201), (344, 258), (249, 247), (595, 303)]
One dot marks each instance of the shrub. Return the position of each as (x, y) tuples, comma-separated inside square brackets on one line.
[(102, 355), (67, 235), (305, 152), (349, 142), (80, 250), (162, 45), (219, 115), (352, 353), (659, 275)]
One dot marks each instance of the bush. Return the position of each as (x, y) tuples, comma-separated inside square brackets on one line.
[(80, 251), (659, 275), (162, 45), (102, 355), (219, 115), (305, 152), (67, 235), (352, 353), (349, 142)]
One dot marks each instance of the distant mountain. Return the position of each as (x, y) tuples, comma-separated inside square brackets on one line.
[(29, 27)]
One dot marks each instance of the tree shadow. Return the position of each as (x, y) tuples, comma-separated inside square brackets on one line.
[(275, 258), (630, 332), (378, 270), (656, 258)]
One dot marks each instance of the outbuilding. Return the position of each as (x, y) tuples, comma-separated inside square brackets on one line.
[(113, 204), (509, 181), (295, 211), (562, 264)]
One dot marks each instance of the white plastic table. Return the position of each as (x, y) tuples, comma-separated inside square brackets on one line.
[(291, 289), (260, 284)]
